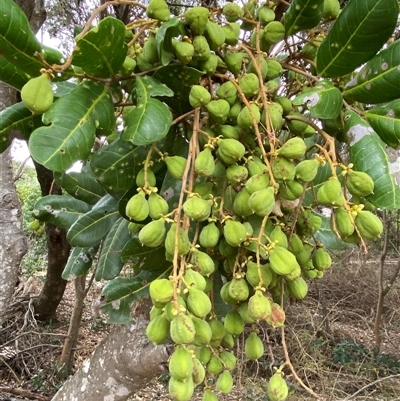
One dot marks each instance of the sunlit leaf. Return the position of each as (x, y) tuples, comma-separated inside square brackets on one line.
[(303, 14), (173, 28), (79, 262)]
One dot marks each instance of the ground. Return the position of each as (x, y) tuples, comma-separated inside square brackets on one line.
[(329, 337)]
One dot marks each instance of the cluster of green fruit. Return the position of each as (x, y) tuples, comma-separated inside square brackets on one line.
[(37, 227)]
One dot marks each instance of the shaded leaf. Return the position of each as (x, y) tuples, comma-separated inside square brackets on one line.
[(91, 227), (368, 154), (303, 14), (174, 27), (378, 81), (220, 307), (12, 75), (357, 34), (73, 121), (102, 51), (60, 210), (323, 100), (153, 88), (79, 262), (385, 120), (110, 262)]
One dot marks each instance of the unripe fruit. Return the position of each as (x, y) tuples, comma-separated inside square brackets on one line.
[(296, 245), (158, 206), (291, 190), (161, 291), (257, 182), (199, 96), (181, 363), (224, 382), (172, 308), (369, 225), (137, 207), (198, 303), (259, 306), (277, 388), (184, 52), (204, 355), (359, 183), (230, 151), (158, 329), (158, 9), (245, 118), (330, 193), (296, 127), (283, 169), (254, 348), (236, 174), (238, 289), (181, 390), (232, 12), (321, 259), (151, 178), (282, 261), (265, 15), (241, 203), (204, 163), (197, 209), (307, 170), (209, 236), (234, 62), (183, 241), (274, 69), (210, 65), (203, 262), (342, 222), (199, 373), (234, 323), (197, 18), (298, 288), (285, 103), (274, 114), (37, 94), (194, 279), (182, 329), (203, 331), (249, 84), (243, 311), (153, 233), (234, 232), (331, 9), (228, 92), (215, 35), (214, 366), (278, 236), (262, 201), (128, 66), (218, 332), (176, 166), (218, 110), (228, 360), (294, 148), (232, 32), (253, 274), (208, 394)]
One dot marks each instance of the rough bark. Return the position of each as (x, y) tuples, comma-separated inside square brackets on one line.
[(58, 252), (120, 366)]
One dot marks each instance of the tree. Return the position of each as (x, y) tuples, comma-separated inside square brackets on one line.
[(210, 148)]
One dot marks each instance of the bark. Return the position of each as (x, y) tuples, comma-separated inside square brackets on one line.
[(58, 252), (120, 366)]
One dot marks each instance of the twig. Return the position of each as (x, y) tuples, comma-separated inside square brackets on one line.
[(25, 393), (21, 168)]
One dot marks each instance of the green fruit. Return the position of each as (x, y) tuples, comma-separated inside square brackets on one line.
[(184, 52), (249, 12), (153, 233), (128, 66), (199, 96), (137, 207), (296, 244), (158, 206), (224, 382), (232, 12), (230, 131), (161, 291), (234, 61), (294, 148), (303, 256), (218, 332), (341, 222), (278, 236), (277, 316), (198, 303), (291, 190), (283, 169), (243, 311), (197, 18), (228, 92), (265, 15), (214, 366), (282, 261), (209, 236), (181, 390), (204, 164), (241, 205), (176, 166), (259, 306), (34, 224), (201, 48), (254, 348), (158, 330), (204, 355), (330, 193), (151, 178), (197, 209), (150, 53), (274, 69), (261, 64), (218, 110), (226, 250), (154, 312), (262, 202), (321, 259), (257, 182), (228, 359), (181, 363), (307, 170), (183, 241), (208, 394), (331, 9), (210, 65), (234, 323), (264, 45), (199, 373), (37, 94), (275, 118), (234, 232), (230, 151), (194, 279), (359, 183), (285, 103), (158, 9), (274, 32), (298, 288), (245, 118), (368, 224), (203, 262), (234, 112), (249, 84), (238, 289), (253, 273), (182, 329), (215, 35), (172, 308), (203, 189), (203, 331), (277, 389), (236, 174), (296, 127), (232, 32)]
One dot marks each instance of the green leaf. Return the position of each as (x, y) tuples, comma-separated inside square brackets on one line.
[(327, 237), (357, 34), (72, 123), (174, 27), (81, 185), (180, 79), (102, 51), (116, 166), (91, 227), (142, 257), (110, 263), (18, 43), (153, 88), (368, 154), (220, 307), (60, 210), (79, 262), (121, 292), (150, 121), (12, 75), (323, 100), (378, 81), (385, 120), (303, 14), (63, 88), (16, 117)]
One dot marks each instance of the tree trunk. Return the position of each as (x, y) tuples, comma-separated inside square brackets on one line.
[(120, 366), (58, 250)]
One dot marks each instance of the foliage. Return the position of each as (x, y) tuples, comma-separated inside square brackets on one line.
[(210, 148)]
